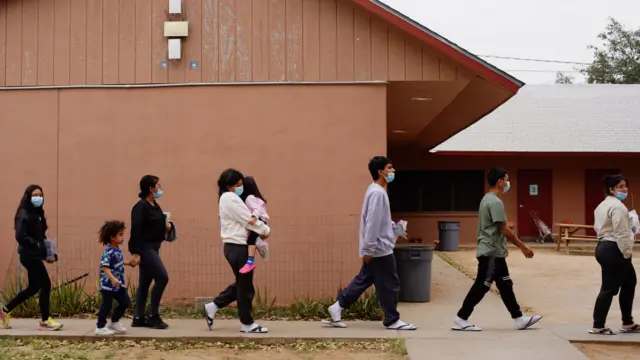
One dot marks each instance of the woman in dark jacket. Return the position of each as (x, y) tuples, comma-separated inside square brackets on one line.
[(31, 227), (149, 228)]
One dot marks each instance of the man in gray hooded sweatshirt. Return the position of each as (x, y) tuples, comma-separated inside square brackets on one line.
[(378, 234)]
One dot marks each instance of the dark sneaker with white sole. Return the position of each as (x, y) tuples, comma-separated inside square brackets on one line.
[(155, 322), (139, 322)]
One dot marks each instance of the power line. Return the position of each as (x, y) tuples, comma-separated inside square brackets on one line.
[(542, 71), (535, 60)]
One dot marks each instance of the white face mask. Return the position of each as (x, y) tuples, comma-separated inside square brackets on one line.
[(390, 177), (37, 201), (507, 187)]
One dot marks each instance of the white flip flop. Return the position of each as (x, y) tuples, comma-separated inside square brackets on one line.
[(255, 330), (402, 326), (466, 328), (336, 324)]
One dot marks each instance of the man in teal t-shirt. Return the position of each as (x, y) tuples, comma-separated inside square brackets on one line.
[(491, 240), (493, 234)]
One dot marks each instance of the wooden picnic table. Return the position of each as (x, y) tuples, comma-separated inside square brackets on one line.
[(567, 234)]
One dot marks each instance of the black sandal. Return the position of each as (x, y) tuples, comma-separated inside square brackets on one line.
[(605, 331)]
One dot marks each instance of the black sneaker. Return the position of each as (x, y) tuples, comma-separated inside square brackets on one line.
[(139, 322), (155, 322)]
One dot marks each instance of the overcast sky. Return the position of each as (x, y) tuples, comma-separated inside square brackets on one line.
[(541, 29)]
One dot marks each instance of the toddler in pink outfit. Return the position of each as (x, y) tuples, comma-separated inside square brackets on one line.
[(257, 204)]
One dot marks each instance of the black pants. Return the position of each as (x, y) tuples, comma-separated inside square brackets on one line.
[(380, 272), (38, 282), (253, 237), (151, 269), (491, 269), (241, 290), (618, 275), (122, 297)]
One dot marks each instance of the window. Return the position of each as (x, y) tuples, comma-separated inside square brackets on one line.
[(418, 191)]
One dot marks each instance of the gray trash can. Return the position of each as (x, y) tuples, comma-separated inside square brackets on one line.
[(448, 234), (414, 271)]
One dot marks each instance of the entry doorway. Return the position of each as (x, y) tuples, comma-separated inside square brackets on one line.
[(594, 193), (535, 197)]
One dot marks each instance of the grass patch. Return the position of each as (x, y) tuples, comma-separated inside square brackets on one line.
[(31, 349)]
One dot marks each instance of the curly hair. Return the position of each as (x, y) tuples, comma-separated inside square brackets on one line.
[(109, 230)]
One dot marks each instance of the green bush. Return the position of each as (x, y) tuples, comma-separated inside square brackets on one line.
[(67, 299), (71, 299)]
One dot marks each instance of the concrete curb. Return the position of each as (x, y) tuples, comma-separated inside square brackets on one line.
[(605, 342)]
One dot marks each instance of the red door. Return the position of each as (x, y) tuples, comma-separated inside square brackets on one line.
[(594, 193), (534, 195)]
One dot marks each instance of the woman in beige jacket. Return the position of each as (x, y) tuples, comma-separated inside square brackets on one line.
[(613, 253)]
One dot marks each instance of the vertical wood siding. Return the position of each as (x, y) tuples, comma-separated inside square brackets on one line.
[(75, 42)]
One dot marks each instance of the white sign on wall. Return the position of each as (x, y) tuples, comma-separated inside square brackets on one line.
[(533, 189)]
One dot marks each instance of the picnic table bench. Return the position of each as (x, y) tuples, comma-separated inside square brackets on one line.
[(567, 234)]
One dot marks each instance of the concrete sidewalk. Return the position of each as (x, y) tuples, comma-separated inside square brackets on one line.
[(498, 340), (197, 330), (580, 334), (433, 339)]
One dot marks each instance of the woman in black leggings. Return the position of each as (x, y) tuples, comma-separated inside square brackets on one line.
[(31, 227), (614, 252), (149, 227)]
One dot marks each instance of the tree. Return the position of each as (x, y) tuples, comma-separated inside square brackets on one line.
[(561, 78), (618, 60)]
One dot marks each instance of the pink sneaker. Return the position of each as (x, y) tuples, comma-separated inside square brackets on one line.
[(247, 268)]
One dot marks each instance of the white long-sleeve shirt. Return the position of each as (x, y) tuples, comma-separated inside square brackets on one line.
[(612, 218), (234, 220)]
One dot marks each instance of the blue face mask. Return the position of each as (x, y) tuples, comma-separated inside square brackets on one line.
[(506, 187), (621, 196), (158, 194), (390, 176), (37, 201), (239, 190)]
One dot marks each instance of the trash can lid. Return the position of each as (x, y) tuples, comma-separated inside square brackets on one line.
[(410, 246)]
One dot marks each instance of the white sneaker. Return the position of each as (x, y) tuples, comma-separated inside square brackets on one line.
[(104, 332), (117, 328), (525, 322)]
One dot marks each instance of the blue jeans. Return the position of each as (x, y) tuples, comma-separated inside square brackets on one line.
[(122, 297)]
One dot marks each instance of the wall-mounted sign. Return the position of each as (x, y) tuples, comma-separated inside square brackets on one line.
[(533, 189)]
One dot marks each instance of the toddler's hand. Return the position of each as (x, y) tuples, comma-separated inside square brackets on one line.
[(253, 220)]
